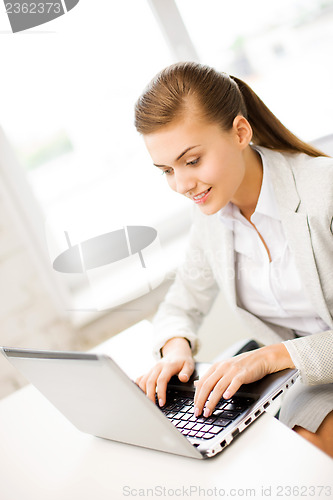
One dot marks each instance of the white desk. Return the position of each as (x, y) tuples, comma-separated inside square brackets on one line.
[(43, 457)]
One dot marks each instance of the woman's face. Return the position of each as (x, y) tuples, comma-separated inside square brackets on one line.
[(201, 161)]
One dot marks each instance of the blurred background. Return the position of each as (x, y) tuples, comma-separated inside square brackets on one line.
[(71, 162)]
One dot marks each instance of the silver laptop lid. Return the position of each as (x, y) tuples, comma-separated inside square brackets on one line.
[(99, 399)]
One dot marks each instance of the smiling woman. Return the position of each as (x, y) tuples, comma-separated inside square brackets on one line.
[(247, 173), (203, 172)]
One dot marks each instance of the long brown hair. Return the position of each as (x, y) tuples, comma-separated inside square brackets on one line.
[(220, 98)]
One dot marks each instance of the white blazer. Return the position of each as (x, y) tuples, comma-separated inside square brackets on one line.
[(303, 188)]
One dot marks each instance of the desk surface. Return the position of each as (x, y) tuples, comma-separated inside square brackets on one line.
[(44, 457)]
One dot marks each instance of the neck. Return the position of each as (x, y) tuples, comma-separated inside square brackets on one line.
[(247, 195)]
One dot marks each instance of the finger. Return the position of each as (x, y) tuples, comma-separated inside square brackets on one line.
[(162, 383), (211, 372), (151, 383), (186, 371), (203, 392), (141, 382), (233, 387), (205, 376), (215, 396)]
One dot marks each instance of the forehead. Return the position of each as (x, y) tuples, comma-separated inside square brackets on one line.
[(170, 141)]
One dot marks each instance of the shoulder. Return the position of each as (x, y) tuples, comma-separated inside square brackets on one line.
[(302, 165), (314, 180), (312, 177)]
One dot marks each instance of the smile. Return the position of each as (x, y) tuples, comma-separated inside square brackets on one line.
[(201, 198)]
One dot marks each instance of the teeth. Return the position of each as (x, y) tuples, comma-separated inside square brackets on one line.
[(200, 195)]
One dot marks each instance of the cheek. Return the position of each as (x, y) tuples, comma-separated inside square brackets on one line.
[(215, 174), (224, 172)]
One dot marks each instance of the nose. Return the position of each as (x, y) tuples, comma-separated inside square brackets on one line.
[(184, 182)]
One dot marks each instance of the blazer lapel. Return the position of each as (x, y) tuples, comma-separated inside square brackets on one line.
[(296, 227)]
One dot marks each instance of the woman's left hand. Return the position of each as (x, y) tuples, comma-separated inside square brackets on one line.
[(224, 378)]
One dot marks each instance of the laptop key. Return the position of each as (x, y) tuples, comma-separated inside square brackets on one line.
[(170, 414), (178, 416), (180, 424), (220, 405), (222, 422), (186, 408), (215, 429), (208, 436), (230, 414), (197, 427), (206, 428), (211, 419), (217, 413), (189, 425), (236, 406)]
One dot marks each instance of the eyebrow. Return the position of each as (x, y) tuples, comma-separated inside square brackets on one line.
[(180, 156)]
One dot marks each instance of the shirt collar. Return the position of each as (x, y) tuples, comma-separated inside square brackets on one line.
[(266, 204)]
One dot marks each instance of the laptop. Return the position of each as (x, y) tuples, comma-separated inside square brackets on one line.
[(97, 396)]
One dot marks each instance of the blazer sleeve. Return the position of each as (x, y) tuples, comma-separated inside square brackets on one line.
[(189, 298), (313, 356)]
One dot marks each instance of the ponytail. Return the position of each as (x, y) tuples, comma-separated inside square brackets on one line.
[(268, 131), (220, 98)]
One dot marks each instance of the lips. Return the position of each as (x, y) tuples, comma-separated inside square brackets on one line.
[(201, 197)]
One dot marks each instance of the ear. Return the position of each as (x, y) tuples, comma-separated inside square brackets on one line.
[(243, 131)]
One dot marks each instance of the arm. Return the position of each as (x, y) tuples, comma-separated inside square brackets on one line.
[(312, 355), (225, 378)]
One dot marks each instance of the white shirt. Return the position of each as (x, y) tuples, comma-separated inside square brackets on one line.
[(271, 290)]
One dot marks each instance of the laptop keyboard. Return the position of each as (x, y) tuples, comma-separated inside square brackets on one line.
[(179, 409)]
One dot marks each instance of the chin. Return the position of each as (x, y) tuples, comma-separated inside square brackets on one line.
[(209, 210)]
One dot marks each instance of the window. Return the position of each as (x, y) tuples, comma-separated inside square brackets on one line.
[(67, 107), (282, 49)]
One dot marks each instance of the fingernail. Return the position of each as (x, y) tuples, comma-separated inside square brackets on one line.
[(207, 412), (161, 402), (226, 395), (196, 412)]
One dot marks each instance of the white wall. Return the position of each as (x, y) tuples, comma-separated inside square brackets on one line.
[(28, 317)]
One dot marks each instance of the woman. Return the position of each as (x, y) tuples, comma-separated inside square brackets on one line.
[(262, 233)]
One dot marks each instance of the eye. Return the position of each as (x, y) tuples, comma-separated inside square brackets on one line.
[(167, 171), (193, 162)]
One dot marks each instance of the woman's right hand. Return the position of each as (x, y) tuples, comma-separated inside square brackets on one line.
[(177, 360)]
